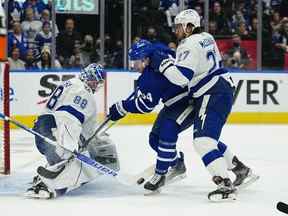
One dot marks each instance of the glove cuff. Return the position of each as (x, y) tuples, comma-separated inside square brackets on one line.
[(165, 64), (120, 108)]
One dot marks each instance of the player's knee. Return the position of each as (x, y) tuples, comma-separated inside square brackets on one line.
[(203, 145), (169, 131), (154, 141), (207, 148)]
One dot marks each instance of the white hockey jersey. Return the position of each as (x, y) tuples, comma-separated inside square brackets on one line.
[(74, 108), (199, 60)]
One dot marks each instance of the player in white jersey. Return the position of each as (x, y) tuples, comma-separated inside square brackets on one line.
[(198, 65), (69, 118)]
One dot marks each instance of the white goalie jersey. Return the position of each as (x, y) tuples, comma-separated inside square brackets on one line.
[(74, 108)]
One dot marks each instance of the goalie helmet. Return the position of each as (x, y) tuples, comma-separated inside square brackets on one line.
[(188, 16), (93, 75)]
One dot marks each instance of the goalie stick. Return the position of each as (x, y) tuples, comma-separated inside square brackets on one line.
[(283, 207), (98, 166)]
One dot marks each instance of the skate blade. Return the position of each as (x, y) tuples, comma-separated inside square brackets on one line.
[(176, 179), (250, 180), (152, 193), (217, 198), (40, 195)]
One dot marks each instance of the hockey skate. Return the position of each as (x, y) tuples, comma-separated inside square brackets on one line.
[(154, 184), (177, 172), (224, 192), (244, 175), (39, 191)]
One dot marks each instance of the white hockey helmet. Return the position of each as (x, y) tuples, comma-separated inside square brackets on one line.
[(188, 16)]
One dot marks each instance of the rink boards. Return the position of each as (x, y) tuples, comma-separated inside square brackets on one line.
[(259, 97)]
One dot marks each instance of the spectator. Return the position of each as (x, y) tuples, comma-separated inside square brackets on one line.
[(14, 13), (44, 37), (66, 41), (242, 31), (280, 45), (171, 9), (17, 39), (213, 29), (45, 17), (45, 60), (275, 22), (88, 51), (31, 27), (199, 10), (14, 61), (253, 32), (236, 56), (151, 34), (37, 5), (75, 60), (30, 62), (219, 17), (237, 18), (117, 55)]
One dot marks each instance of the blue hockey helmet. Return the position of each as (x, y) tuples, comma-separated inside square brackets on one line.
[(140, 50), (93, 75)]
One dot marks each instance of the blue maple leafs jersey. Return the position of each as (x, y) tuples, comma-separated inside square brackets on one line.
[(151, 88)]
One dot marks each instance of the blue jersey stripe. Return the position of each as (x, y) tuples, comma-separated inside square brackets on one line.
[(206, 79), (188, 73), (73, 112)]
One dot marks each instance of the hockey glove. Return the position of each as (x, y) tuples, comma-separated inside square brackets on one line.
[(117, 111)]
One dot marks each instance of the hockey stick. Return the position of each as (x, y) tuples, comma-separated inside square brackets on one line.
[(283, 207), (98, 166)]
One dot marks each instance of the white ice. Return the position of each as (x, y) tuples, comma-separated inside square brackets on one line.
[(263, 147)]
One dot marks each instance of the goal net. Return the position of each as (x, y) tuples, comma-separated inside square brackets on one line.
[(4, 126)]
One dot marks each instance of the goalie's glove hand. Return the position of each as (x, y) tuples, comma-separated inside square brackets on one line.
[(117, 111)]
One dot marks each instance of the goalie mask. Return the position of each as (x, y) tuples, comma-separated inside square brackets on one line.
[(93, 75)]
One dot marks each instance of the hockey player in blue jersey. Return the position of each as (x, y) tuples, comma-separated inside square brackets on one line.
[(176, 115), (198, 66)]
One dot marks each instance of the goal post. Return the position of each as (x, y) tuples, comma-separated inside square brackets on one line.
[(5, 97), (4, 126)]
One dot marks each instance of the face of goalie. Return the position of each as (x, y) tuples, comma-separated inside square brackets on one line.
[(95, 85), (139, 65)]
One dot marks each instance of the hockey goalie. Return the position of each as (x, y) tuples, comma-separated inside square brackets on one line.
[(69, 118)]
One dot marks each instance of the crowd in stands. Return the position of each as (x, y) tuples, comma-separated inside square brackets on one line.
[(30, 32)]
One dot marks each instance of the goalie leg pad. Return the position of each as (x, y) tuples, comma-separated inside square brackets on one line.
[(73, 175), (44, 125)]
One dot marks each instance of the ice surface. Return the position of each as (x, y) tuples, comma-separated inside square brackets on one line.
[(263, 147)]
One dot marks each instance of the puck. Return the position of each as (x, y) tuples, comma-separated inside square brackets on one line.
[(140, 181)]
